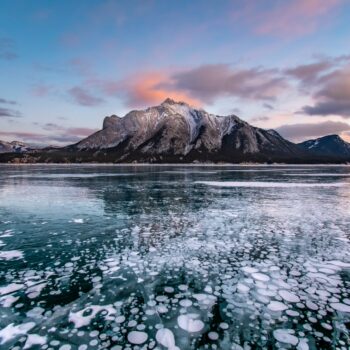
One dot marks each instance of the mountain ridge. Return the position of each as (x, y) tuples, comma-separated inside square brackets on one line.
[(331, 145), (175, 132), (13, 146)]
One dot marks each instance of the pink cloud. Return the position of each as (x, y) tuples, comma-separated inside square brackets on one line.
[(197, 86), (287, 18), (145, 88)]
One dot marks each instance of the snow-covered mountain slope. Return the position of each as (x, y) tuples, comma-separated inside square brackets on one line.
[(13, 147)]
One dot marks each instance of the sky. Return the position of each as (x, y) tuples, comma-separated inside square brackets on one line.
[(65, 65)]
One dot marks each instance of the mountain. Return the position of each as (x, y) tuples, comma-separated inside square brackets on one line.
[(331, 145), (13, 147), (175, 132)]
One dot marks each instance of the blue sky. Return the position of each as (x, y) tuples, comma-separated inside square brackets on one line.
[(281, 64)]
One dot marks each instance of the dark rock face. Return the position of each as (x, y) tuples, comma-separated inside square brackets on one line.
[(331, 145)]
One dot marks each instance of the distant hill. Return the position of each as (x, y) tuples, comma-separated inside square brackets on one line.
[(14, 146), (331, 145)]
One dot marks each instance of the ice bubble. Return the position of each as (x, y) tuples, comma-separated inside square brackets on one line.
[(161, 298), (213, 335), (303, 345), (78, 221), (12, 287), (65, 347), (34, 339), (260, 277), (277, 306), (11, 331), (189, 323), (8, 300), (242, 288), (340, 307), (183, 287), (34, 291), (162, 309), (120, 319), (84, 317), (249, 269), (285, 336), (223, 325), (288, 296), (166, 338), (185, 303), (292, 313), (132, 323), (339, 263), (136, 337)]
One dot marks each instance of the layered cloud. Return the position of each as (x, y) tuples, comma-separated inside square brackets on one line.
[(83, 97), (302, 131), (9, 102), (9, 113), (6, 112), (310, 73), (209, 82), (59, 135), (333, 95), (197, 86)]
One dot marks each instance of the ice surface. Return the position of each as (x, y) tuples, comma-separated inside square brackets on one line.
[(268, 184), (152, 261)]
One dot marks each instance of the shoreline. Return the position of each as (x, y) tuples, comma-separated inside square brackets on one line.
[(178, 164)]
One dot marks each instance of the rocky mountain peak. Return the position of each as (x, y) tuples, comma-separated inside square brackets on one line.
[(109, 122), (169, 101)]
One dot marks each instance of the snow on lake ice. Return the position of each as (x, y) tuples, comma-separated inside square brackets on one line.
[(109, 257)]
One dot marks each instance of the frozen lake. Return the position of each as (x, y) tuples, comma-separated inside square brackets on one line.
[(174, 257)]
